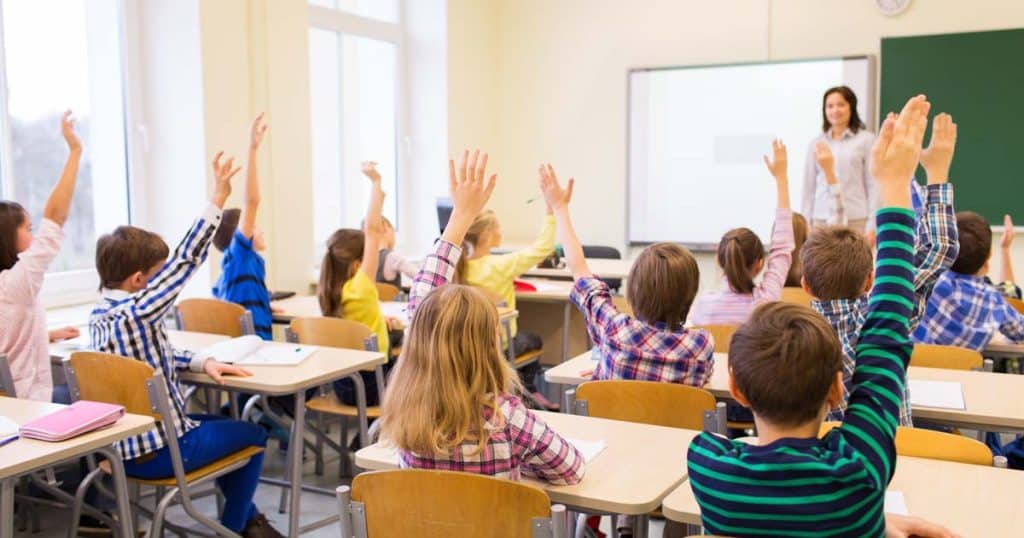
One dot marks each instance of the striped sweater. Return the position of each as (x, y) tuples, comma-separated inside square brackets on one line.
[(833, 486)]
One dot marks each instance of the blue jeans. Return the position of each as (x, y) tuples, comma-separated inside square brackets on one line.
[(215, 438)]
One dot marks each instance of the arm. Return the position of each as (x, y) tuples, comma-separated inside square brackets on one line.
[(247, 220), (374, 228), (58, 205), (1005, 246), (558, 199), (810, 180), (780, 255), (825, 159), (1012, 324), (545, 454), (395, 264), (515, 264)]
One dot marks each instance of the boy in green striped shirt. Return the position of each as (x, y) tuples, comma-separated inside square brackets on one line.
[(786, 365)]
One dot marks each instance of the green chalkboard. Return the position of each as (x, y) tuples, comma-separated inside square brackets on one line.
[(978, 77)]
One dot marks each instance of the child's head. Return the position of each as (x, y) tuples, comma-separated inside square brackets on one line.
[(799, 238), (741, 257), (340, 263), (451, 370), (662, 284), (785, 364), (226, 231), (837, 264), (484, 233), (975, 244), (15, 233), (128, 257)]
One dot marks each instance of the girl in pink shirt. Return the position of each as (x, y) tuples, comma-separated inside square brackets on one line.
[(24, 260)]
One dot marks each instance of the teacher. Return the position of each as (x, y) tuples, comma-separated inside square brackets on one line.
[(838, 188)]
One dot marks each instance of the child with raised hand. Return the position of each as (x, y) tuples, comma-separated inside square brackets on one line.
[(451, 402), (741, 257), (24, 260), (786, 363), (1007, 284)]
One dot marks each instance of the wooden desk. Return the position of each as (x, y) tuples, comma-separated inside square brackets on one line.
[(604, 268), (306, 306), (971, 500), (548, 313), (28, 455), (611, 484), (993, 400)]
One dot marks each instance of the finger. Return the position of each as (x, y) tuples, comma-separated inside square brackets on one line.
[(1007, 222), (490, 185), (216, 160), (215, 374), (232, 173), (885, 134), (568, 194), (481, 170), (451, 175), (471, 167), (767, 162), (462, 165)]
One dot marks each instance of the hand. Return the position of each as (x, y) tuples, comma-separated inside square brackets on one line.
[(217, 370), (67, 128), (222, 172), (65, 333), (370, 171), (394, 324), (939, 154), (469, 191), (906, 526), (870, 237), (259, 128), (1008, 233), (777, 166), (557, 198), (897, 150), (823, 154)]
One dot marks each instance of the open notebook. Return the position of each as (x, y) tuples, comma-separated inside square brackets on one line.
[(8, 430), (251, 350)]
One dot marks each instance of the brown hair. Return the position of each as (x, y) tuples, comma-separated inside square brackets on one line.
[(784, 359), (856, 124), (837, 261), (796, 269), (975, 243), (483, 223), (662, 284), (451, 375), (738, 251), (344, 250), (126, 251), (226, 230), (12, 216)]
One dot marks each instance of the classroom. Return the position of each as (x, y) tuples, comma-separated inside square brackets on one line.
[(511, 268)]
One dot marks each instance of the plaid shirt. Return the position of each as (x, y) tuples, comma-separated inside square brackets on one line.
[(936, 249), (132, 325), (632, 349), (519, 442), (966, 311)]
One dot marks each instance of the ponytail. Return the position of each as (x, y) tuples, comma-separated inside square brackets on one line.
[(738, 251), (344, 249)]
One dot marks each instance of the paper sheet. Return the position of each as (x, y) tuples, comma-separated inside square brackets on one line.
[(589, 449), (8, 430), (396, 310), (277, 355), (940, 394), (895, 503)]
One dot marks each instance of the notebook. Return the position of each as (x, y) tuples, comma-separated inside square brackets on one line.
[(251, 350), (589, 449), (8, 430), (940, 394), (71, 421)]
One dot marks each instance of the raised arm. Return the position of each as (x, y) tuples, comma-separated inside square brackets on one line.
[(780, 255), (247, 220), (374, 224), (558, 199), (58, 205), (827, 162), (1005, 246)]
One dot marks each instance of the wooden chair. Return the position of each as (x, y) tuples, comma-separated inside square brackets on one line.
[(141, 390), (436, 504), (387, 292), (722, 335), (935, 445), (1017, 304), (796, 295), (948, 357), (214, 316), (517, 361), (6, 378), (651, 402)]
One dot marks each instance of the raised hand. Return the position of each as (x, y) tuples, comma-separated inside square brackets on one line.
[(259, 128), (222, 174), (469, 190), (938, 156), (897, 150), (370, 171), (67, 129), (1006, 241), (827, 162), (555, 195), (777, 164)]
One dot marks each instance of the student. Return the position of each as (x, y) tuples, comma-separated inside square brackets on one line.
[(451, 401), (654, 345), (347, 288), (24, 260), (243, 271), (741, 257), (497, 273), (139, 286), (964, 310), (1007, 284), (796, 266), (785, 364), (837, 261), (390, 264)]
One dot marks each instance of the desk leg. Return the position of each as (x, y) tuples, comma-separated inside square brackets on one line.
[(295, 450), (7, 508), (566, 313), (125, 519)]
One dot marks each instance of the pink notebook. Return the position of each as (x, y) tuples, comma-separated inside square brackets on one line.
[(72, 421)]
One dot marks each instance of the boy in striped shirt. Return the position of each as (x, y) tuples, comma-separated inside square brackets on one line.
[(786, 365)]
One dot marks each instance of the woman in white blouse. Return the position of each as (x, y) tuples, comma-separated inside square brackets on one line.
[(838, 188)]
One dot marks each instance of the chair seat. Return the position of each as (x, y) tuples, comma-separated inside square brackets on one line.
[(527, 358), (198, 474), (331, 406)]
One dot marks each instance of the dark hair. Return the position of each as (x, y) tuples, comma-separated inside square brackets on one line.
[(126, 251), (796, 267), (662, 284), (975, 243), (226, 230), (344, 250), (738, 251), (12, 216), (837, 261), (784, 359), (856, 124)]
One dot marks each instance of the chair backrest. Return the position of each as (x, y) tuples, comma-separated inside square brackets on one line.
[(796, 295), (935, 445), (213, 316), (1017, 304), (332, 332), (647, 402), (948, 357), (387, 292), (113, 379), (722, 335), (431, 504), (601, 252)]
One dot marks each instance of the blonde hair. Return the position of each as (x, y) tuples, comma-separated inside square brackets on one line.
[(483, 223), (451, 371)]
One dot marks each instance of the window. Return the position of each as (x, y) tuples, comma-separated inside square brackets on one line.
[(60, 54), (354, 107)]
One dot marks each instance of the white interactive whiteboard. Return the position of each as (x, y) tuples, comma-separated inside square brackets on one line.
[(697, 135)]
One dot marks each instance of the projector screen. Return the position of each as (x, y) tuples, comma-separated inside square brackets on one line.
[(697, 136)]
